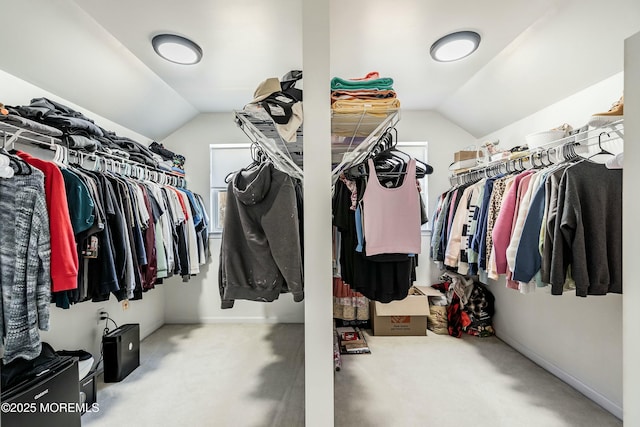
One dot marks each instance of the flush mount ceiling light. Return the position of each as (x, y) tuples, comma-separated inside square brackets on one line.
[(177, 49), (455, 46)]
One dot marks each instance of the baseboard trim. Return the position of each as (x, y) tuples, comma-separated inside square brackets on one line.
[(211, 320), (574, 382), (146, 331)]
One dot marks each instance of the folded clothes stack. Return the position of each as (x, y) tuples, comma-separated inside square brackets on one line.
[(169, 159), (29, 124), (365, 101), (74, 129)]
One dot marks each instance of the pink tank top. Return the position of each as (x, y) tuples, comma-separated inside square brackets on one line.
[(391, 216)]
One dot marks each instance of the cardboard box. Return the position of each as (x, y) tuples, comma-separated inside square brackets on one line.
[(405, 317), (466, 155), (429, 292)]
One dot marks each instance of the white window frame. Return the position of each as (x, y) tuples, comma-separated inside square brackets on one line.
[(424, 182), (217, 189)]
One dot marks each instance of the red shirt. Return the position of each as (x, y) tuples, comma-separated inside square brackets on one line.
[(182, 204), (64, 255)]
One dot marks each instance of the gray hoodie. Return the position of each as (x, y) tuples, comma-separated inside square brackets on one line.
[(260, 255)]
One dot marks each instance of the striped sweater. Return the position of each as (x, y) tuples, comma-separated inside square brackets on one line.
[(25, 253)]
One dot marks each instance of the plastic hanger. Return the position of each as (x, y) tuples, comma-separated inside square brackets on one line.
[(258, 157), (16, 164), (6, 171), (602, 150), (390, 162)]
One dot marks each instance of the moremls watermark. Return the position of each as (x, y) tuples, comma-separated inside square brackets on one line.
[(48, 407)]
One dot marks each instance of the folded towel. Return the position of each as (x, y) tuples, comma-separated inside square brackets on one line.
[(362, 94), (384, 83), (370, 76), (369, 106)]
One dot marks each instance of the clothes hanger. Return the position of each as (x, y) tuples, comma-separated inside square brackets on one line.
[(390, 162), (389, 145), (79, 159), (128, 169), (16, 164), (602, 150), (6, 171), (545, 159), (96, 164), (257, 158)]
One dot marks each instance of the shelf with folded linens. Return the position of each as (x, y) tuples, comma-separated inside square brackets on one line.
[(12, 133)]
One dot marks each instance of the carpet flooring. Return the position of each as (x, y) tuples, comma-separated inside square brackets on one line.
[(248, 375)]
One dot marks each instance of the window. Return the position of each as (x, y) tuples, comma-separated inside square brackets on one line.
[(418, 150), (224, 159), (228, 158)]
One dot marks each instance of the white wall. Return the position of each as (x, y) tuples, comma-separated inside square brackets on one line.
[(199, 300), (444, 139), (631, 248), (16, 91), (575, 110), (77, 327), (69, 53), (577, 339), (567, 49)]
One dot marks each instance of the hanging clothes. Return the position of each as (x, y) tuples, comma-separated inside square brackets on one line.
[(552, 187), (260, 256), (134, 232), (64, 258), (551, 226), (25, 253), (373, 263), (69, 235), (504, 223), (588, 231), (392, 215), (377, 279)]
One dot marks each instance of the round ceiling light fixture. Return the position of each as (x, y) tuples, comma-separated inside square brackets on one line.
[(177, 49), (455, 46)]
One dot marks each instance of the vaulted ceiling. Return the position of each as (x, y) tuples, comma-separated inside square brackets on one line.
[(98, 54)]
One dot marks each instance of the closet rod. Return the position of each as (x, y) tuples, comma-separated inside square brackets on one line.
[(615, 127), (141, 170), (22, 135), (577, 140)]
